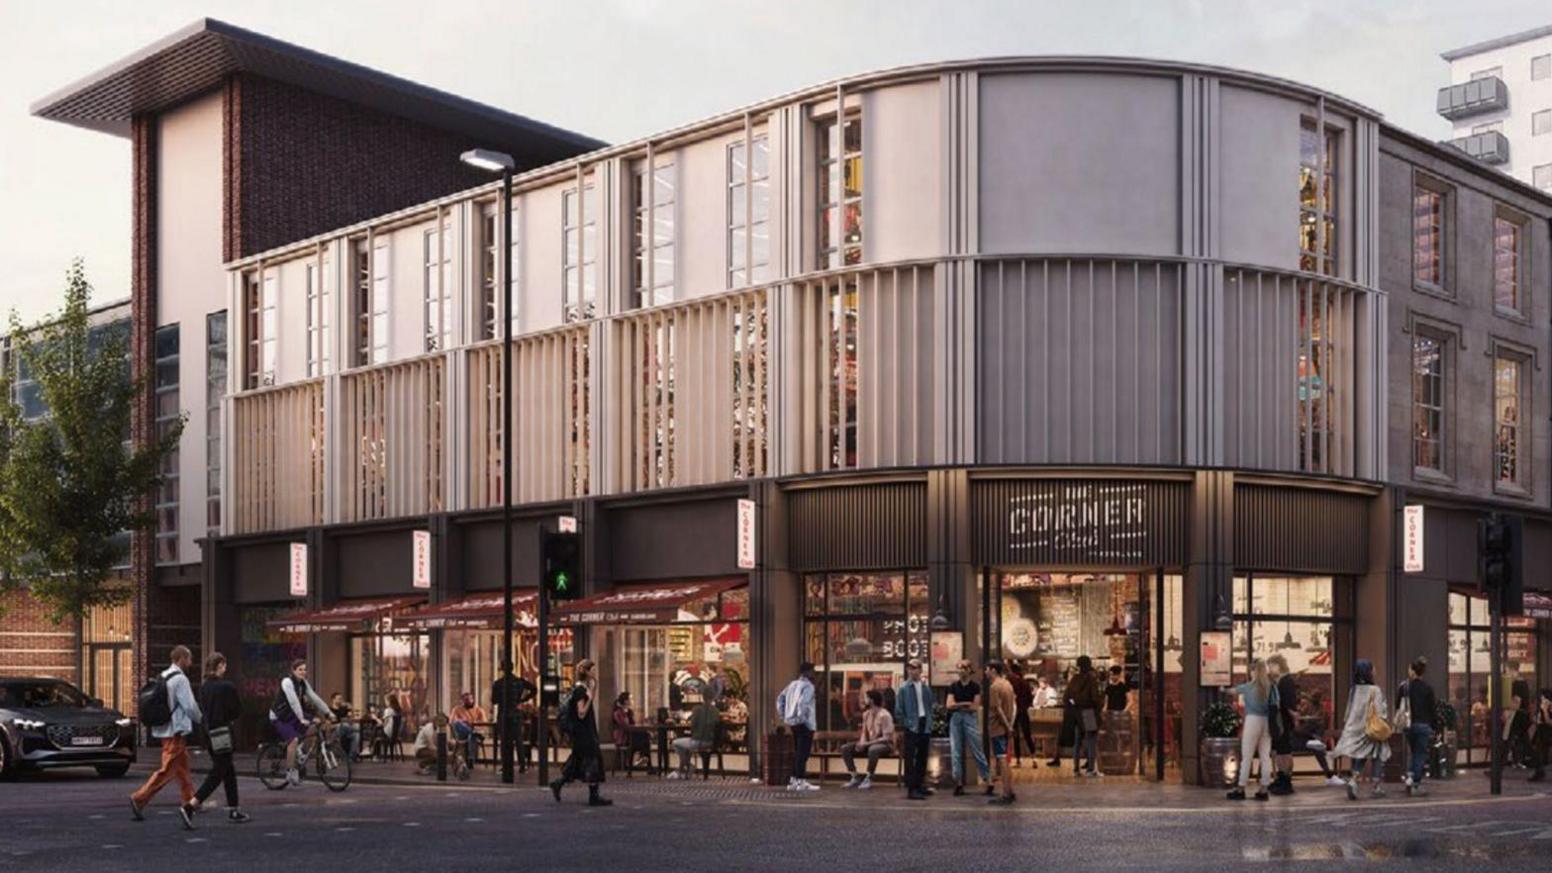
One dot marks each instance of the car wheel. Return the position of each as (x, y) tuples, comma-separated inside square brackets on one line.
[(112, 771)]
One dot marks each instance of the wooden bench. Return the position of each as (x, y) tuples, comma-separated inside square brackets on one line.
[(827, 748)]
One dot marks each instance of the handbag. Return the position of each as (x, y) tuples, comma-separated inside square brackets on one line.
[(220, 740), (1375, 727), (1090, 720)]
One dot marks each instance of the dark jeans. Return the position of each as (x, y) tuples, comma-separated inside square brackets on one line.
[(1419, 738), (1087, 742), (803, 745), (519, 751), (1021, 731), (917, 746), (223, 773)]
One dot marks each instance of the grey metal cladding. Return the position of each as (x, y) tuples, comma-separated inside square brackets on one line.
[(858, 527), (1108, 523), (1488, 94), (1300, 530)]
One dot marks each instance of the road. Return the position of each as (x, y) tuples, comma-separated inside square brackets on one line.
[(79, 823)]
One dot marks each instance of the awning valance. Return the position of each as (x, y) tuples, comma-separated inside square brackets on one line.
[(475, 612), (1538, 604), (660, 603), (351, 615)]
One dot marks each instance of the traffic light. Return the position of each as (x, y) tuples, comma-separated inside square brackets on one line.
[(561, 560), (1499, 562)]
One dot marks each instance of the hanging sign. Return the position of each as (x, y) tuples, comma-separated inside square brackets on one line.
[(420, 558), (567, 524), (948, 649), (746, 519), (298, 569), (1217, 659), (1412, 539)]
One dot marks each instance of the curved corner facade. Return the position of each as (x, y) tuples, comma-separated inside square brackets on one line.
[(1016, 358)]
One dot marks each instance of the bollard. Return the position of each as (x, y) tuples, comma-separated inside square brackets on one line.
[(441, 756)]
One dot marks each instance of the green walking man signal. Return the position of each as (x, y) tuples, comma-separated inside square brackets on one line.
[(561, 559)]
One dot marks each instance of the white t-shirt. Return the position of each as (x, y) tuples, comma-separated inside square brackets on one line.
[(426, 738)]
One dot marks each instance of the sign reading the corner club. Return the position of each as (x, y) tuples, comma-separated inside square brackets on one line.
[(298, 569), (420, 558), (1107, 522), (1078, 522)]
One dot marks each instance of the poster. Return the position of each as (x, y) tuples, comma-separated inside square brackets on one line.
[(1217, 659), (948, 648)]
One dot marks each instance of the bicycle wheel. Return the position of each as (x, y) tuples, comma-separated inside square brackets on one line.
[(272, 766), (333, 766)]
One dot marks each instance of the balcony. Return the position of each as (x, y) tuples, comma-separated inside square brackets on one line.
[(1467, 99), (1491, 147)]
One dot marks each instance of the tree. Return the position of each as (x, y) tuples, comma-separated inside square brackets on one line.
[(70, 480)]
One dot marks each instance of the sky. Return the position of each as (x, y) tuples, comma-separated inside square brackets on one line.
[(621, 69)]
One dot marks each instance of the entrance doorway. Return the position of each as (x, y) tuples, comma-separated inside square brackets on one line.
[(1042, 622)]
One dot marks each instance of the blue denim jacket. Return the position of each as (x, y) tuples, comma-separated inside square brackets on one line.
[(907, 715)]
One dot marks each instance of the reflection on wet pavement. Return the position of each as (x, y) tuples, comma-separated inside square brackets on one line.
[(1355, 850)]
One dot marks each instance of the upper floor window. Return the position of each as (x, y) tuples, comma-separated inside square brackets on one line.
[(1508, 262), (1506, 419), (1429, 233), (215, 389), (369, 303), (490, 271), (1541, 176), (749, 211), (1540, 67), (1490, 72), (839, 167), (1541, 122), (652, 234), (1427, 403), (437, 284), (579, 225), (317, 320), (1317, 201), (167, 415), (259, 314)]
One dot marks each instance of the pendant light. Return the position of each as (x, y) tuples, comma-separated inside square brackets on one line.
[(1115, 629), (1173, 644), (1288, 641)]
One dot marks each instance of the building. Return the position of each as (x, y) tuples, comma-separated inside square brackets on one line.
[(1025, 358), (95, 652), (1500, 101)]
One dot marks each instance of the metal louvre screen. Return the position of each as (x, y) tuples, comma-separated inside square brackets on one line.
[(1300, 530), (858, 527), (1081, 522)]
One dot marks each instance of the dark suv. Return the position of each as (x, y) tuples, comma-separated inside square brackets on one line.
[(49, 723)]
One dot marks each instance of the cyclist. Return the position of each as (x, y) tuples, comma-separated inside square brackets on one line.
[(288, 713)]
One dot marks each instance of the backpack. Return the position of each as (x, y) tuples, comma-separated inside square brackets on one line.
[(155, 702), (567, 717)]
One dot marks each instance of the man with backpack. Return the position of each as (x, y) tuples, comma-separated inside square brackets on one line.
[(795, 706), (168, 708)]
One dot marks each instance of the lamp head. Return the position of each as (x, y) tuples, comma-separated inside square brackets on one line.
[(488, 160)]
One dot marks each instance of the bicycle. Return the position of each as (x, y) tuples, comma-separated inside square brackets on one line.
[(327, 755)]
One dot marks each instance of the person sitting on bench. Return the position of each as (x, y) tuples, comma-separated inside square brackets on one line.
[(876, 740)]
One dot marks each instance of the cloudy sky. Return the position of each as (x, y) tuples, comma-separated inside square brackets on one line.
[(619, 69)]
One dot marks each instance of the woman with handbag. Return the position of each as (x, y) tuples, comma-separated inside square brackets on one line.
[(221, 704), (1259, 696), (1366, 731), (1085, 697)]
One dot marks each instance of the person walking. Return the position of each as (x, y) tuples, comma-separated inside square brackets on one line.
[(1541, 734), (876, 739), (913, 713), (964, 708), (221, 705), (1365, 731), (1259, 696), (184, 713), (1085, 697), (795, 705), (1417, 710), (586, 763), (1024, 700), (1002, 703)]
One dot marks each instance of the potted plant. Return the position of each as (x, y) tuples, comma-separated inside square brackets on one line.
[(940, 759), (1219, 750)]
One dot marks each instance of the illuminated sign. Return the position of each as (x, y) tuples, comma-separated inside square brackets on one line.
[(1104, 521), (1412, 539)]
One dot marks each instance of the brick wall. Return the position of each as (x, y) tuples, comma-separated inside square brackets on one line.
[(33, 644), (299, 163)]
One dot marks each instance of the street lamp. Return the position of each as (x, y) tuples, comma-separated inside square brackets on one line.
[(500, 162)]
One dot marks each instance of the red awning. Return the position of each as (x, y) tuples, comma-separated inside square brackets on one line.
[(641, 604), (351, 615), (476, 612)]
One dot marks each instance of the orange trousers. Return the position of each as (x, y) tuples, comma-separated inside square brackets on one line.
[(175, 765)]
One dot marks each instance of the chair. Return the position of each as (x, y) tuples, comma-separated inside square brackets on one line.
[(717, 746), (388, 745)]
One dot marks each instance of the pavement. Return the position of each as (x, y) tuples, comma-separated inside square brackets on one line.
[(72, 822)]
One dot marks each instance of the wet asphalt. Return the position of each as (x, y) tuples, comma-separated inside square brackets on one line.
[(60, 822)]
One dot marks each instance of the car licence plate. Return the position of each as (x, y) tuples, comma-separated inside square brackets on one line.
[(86, 741)]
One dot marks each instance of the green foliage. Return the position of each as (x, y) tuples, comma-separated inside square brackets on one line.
[(1447, 715), (1220, 721), (69, 483)]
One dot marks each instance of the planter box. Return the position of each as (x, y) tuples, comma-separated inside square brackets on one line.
[(1219, 761), (776, 753)]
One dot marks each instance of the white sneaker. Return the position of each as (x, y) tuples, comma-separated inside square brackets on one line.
[(293, 777), (1336, 782), (809, 786), (853, 782), (674, 774), (865, 784), (794, 786)]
